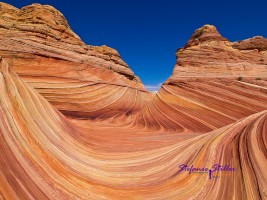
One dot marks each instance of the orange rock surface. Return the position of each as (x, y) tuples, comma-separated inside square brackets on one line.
[(208, 54), (40, 36), (76, 123)]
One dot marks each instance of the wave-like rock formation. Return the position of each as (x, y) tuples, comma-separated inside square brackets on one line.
[(202, 105), (44, 156), (76, 123), (214, 82), (40, 46)]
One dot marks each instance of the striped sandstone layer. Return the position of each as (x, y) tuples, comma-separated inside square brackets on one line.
[(40, 46), (76, 123), (45, 156)]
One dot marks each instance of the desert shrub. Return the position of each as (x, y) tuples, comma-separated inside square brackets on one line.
[(239, 78), (197, 34)]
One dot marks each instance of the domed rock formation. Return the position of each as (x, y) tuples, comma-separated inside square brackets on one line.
[(208, 54), (206, 33)]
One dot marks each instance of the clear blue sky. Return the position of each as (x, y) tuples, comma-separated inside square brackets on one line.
[(147, 33)]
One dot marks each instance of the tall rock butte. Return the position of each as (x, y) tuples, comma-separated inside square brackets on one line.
[(208, 54)]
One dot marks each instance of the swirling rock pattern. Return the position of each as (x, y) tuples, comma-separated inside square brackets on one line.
[(44, 156), (76, 123), (40, 46)]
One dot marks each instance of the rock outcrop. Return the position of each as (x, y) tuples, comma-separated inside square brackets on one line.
[(256, 43), (40, 36), (214, 83), (208, 54), (39, 45)]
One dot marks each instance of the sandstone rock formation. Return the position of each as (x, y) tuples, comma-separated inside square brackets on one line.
[(205, 91), (76, 123), (54, 159), (208, 54), (39, 34), (40, 46)]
